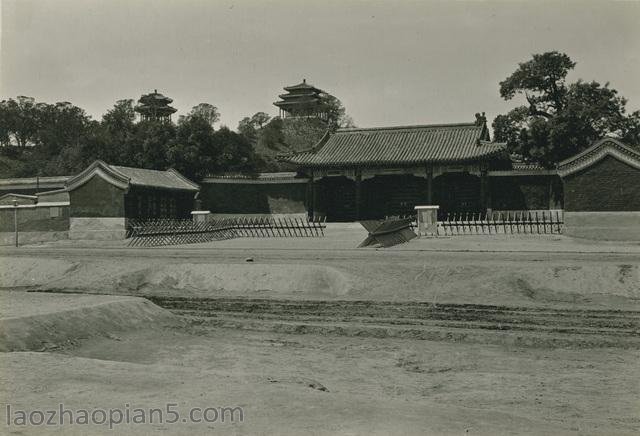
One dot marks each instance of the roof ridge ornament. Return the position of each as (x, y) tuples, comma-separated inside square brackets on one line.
[(481, 119)]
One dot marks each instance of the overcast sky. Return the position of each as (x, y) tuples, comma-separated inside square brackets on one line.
[(391, 63)]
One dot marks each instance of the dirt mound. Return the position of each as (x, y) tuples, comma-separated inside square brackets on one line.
[(434, 279), (257, 279), (185, 278), (39, 322), (513, 283)]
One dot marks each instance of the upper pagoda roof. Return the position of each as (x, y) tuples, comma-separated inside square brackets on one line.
[(155, 103), (155, 98), (299, 95), (302, 86)]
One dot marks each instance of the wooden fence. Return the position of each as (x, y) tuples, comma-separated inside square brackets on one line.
[(158, 232), (502, 222), (148, 233), (281, 227)]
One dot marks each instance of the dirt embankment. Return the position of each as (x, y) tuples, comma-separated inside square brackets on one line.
[(570, 284), (153, 276), (38, 322)]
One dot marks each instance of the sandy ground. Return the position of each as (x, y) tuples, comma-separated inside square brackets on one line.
[(522, 279), (309, 384), (332, 384)]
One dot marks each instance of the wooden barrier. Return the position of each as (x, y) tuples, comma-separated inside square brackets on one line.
[(173, 232), (502, 222)]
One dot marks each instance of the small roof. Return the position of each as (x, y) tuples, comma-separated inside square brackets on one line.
[(303, 94), (404, 145), (22, 196), (303, 85), (123, 177), (599, 150), (33, 182), (259, 176), (170, 179), (527, 166)]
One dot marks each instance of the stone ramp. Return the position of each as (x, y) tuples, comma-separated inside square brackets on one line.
[(32, 321)]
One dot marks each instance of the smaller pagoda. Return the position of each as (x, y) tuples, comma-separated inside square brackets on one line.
[(155, 107), (302, 101)]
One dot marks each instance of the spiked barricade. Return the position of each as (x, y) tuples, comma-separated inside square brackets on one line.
[(148, 233), (389, 232), (503, 222)]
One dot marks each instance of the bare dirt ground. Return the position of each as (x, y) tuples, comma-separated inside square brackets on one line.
[(298, 384), (465, 337)]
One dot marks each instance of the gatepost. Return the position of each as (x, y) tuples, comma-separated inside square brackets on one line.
[(200, 216), (427, 220)]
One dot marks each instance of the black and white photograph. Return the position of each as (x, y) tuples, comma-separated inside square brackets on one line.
[(342, 217)]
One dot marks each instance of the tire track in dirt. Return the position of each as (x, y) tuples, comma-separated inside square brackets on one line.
[(470, 322)]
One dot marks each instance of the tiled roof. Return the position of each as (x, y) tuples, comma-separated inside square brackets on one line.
[(259, 176), (527, 166), (123, 177), (599, 150), (28, 181), (169, 179), (303, 85), (401, 146)]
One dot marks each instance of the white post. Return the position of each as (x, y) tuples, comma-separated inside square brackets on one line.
[(200, 216), (15, 220), (427, 220)]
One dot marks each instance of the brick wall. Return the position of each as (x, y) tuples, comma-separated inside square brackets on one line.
[(97, 198), (608, 185), (36, 219)]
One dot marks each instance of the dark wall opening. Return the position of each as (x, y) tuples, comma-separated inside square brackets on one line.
[(526, 192), (392, 195), (148, 203), (336, 198), (253, 198), (456, 193)]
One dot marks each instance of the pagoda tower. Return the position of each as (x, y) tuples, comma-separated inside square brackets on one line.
[(155, 107), (302, 101)]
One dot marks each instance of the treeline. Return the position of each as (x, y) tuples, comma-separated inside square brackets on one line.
[(60, 139)]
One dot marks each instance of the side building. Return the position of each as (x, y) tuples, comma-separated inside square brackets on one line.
[(103, 198)]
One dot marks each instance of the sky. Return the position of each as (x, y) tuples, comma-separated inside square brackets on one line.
[(389, 62)]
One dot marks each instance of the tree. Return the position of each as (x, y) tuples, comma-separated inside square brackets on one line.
[(192, 152), (118, 129), (206, 111), (560, 119), (232, 152), (19, 121), (247, 128), (251, 127), (336, 113), (259, 119)]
